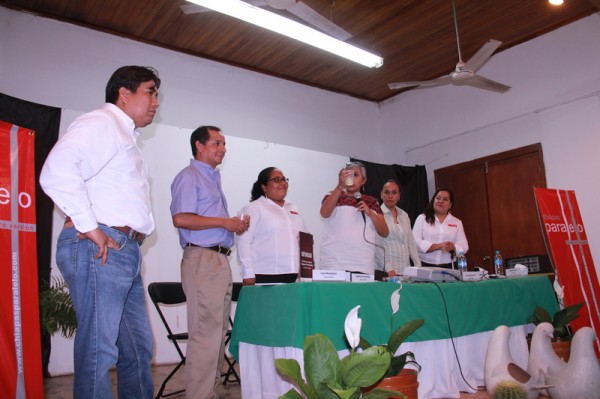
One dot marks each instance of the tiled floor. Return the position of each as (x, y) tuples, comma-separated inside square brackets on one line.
[(60, 387)]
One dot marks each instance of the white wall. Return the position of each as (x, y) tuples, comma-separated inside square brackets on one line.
[(554, 100), (62, 65), (57, 64)]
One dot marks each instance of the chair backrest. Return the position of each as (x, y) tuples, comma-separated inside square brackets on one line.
[(235, 292), (166, 293)]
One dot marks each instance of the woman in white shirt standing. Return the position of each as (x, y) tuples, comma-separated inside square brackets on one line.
[(269, 251), (439, 235), (395, 251)]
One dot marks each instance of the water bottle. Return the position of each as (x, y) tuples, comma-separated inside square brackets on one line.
[(462, 262), (498, 264)]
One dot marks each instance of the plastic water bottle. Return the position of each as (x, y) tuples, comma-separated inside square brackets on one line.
[(461, 260), (498, 264)]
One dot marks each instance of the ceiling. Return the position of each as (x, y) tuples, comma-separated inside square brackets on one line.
[(416, 38)]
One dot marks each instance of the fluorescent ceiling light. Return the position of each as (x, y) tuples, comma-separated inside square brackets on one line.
[(276, 23)]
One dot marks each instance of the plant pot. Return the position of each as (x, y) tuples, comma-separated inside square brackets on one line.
[(562, 349), (405, 382)]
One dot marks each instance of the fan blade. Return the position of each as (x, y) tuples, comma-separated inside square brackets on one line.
[(482, 55), (315, 19), (487, 84), (434, 82)]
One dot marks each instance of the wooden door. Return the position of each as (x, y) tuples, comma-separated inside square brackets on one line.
[(493, 196), (470, 206)]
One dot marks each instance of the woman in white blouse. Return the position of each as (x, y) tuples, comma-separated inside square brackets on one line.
[(268, 252), (439, 235), (395, 251)]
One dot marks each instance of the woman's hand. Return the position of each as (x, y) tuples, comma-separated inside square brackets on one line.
[(342, 176), (449, 246)]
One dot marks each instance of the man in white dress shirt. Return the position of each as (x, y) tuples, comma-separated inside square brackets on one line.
[(96, 175)]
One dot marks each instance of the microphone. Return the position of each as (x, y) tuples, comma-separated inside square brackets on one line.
[(358, 197)]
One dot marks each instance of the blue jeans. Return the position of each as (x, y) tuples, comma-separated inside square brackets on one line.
[(112, 322)]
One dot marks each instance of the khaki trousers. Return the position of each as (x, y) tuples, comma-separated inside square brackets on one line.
[(206, 280)]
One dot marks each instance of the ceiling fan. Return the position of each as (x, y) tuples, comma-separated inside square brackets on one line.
[(464, 73), (294, 7)]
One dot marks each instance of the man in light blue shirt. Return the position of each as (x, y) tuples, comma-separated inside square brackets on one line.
[(199, 211)]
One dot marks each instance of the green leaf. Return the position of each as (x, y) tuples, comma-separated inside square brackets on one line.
[(56, 309), (289, 368), (561, 319), (568, 314), (321, 360), (397, 364), (365, 368), (541, 315), (349, 393), (380, 393), (291, 394), (402, 333)]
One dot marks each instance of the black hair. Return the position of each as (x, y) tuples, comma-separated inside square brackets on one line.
[(202, 135), (429, 212), (263, 178), (129, 77)]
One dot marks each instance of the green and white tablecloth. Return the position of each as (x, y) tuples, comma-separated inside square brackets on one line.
[(282, 315)]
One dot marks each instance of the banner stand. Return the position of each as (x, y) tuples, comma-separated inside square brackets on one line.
[(569, 250), (20, 343)]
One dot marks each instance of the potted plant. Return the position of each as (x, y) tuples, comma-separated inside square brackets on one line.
[(560, 321), (327, 376), (56, 309), (56, 315), (397, 377)]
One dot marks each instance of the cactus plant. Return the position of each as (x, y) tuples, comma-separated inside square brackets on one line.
[(510, 390)]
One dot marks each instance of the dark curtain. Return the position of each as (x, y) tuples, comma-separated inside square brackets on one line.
[(45, 121), (413, 185)]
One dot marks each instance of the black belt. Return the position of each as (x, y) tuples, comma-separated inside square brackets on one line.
[(217, 248), (131, 233)]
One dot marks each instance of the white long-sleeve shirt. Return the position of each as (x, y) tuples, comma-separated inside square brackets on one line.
[(426, 234), (271, 244), (399, 246), (95, 173)]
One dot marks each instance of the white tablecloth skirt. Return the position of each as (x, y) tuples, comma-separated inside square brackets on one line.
[(440, 376)]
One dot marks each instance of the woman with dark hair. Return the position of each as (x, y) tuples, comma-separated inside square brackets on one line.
[(269, 251), (352, 222), (395, 252), (439, 235)]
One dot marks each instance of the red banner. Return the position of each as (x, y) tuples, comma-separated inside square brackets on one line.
[(20, 347), (570, 253)]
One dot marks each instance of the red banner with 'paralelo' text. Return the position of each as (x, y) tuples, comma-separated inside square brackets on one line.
[(570, 252), (20, 347)]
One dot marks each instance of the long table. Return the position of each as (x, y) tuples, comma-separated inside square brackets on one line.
[(272, 321)]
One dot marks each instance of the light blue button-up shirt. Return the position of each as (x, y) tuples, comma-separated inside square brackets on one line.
[(197, 189)]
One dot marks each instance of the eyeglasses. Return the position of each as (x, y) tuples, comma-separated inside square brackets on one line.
[(279, 179)]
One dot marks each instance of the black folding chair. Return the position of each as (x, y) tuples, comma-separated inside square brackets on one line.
[(231, 375), (169, 294)]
